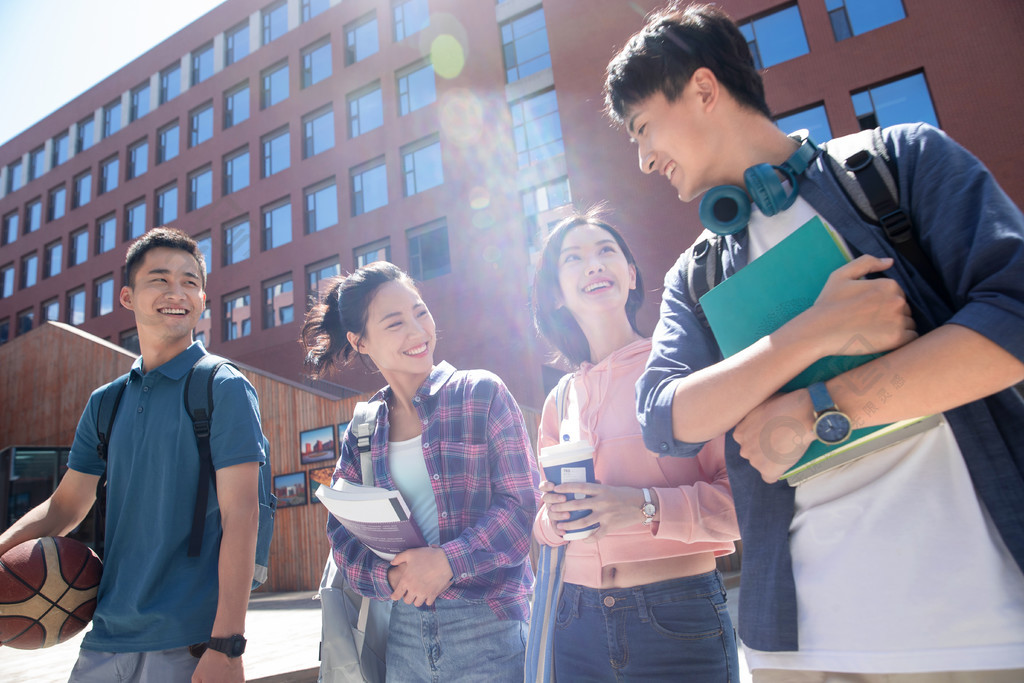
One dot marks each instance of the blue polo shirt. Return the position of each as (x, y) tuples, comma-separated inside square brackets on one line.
[(152, 595)]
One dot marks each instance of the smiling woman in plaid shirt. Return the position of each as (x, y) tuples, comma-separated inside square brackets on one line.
[(455, 444)]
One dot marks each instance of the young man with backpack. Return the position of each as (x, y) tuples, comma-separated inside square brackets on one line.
[(906, 562), (163, 614)]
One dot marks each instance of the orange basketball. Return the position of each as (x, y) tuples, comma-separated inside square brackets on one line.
[(47, 591)]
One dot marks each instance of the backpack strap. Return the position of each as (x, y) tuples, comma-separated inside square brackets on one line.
[(364, 422), (110, 399), (703, 273)]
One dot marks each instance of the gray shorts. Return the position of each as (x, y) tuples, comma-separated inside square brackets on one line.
[(162, 666)]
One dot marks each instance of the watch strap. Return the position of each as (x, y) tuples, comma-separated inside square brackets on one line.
[(820, 398), (232, 646)]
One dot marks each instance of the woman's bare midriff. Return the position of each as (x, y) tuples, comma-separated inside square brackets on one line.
[(629, 574)]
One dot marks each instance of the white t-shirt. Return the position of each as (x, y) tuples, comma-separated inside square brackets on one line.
[(898, 567)]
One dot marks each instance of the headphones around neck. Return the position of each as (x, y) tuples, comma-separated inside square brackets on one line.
[(725, 210)]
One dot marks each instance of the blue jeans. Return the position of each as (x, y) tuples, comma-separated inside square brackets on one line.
[(677, 630), (454, 640)]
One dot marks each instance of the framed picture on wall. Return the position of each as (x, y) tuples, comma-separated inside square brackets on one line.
[(341, 433), (320, 476), (290, 489), (317, 445)]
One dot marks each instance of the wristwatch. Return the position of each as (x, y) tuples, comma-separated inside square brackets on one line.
[(232, 646), (648, 508), (831, 426)]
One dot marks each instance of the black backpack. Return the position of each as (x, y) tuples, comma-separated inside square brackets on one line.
[(199, 406)]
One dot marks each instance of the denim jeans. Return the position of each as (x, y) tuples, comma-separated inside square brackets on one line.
[(454, 640), (162, 666), (677, 630)]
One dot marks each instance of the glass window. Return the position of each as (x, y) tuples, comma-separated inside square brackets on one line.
[(53, 259), (76, 306), (275, 85), (6, 281), (58, 203), (428, 251), (169, 143), (365, 110), (277, 225), (776, 37), (33, 216), (166, 205), (278, 302), (236, 105), (538, 201), (421, 165), (236, 241), (106, 233), (86, 134), (170, 83), (78, 247), (311, 8), (236, 43), (36, 163), (10, 228), (316, 274), (205, 243), (321, 206), (29, 270), (200, 188), (25, 320), (83, 190), (51, 310), (236, 170), (375, 251), (410, 16), (202, 64), (60, 149), (135, 220), (525, 41), (317, 132), (103, 296), (361, 38), (237, 322), (129, 341), (814, 119), (201, 124), (905, 100), (109, 170), (276, 152), (112, 118), (275, 21), (369, 187), (14, 179), (854, 17), (5, 330), (537, 128), (416, 87), (140, 101), (316, 62), (138, 159)]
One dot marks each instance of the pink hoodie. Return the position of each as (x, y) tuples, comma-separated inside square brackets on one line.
[(695, 499)]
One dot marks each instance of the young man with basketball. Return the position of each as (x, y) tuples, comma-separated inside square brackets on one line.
[(867, 568), (156, 606)]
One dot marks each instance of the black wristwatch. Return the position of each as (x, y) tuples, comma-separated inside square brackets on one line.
[(831, 426), (232, 646)]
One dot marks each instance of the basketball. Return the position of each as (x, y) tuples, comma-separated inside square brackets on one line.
[(47, 591)]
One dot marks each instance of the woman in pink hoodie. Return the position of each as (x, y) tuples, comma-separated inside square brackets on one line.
[(642, 599)]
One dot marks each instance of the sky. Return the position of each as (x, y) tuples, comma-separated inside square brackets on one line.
[(51, 51)]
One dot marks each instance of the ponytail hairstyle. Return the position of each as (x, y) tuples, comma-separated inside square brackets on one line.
[(344, 309), (553, 320)]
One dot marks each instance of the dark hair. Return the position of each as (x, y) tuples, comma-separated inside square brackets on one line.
[(343, 309), (672, 45), (554, 321), (171, 238)]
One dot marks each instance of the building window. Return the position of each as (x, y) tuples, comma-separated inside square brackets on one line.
[(129, 341), (813, 119), (33, 216), (421, 165), (103, 296), (321, 206), (375, 251), (170, 83), (169, 143), (365, 110), (278, 302), (428, 251), (112, 118), (201, 124), (776, 37), (138, 159), (36, 163), (106, 233), (905, 100), (25, 320), (316, 274), (236, 43), (14, 179), (311, 8), (51, 310), (236, 241), (86, 134), (361, 38), (200, 188), (276, 152), (204, 328), (135, 220), (5, 330), (7, 281), (538, 202), (83, 190), (140, 101), (76, 306), (202, 64), (236, 170), (275, 85), (78, 247), (10, 228), (854, 18), (410, 16), (60, 149), (166, 205), (316, 62), (58, 203), (53, 259), (525, 41), (205, 244), (237, 315), (29, 270), (317, 132), (275, 21), (369, 186), (537, 128), (416, 87), (109, 170), (277, 225), (236, 105)]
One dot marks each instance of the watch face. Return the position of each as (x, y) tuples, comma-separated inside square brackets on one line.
[(832, 428)]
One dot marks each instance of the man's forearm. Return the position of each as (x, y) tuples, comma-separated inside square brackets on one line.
[(235, 571)]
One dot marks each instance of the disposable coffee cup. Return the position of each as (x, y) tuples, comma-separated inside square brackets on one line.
[(570, 462)]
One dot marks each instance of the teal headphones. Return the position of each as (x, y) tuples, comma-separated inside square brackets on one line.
[(725, 210)]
